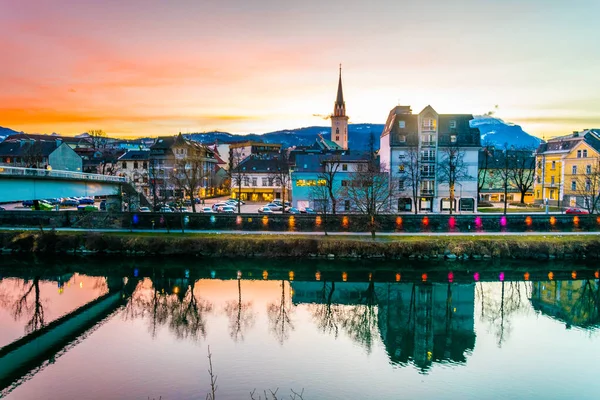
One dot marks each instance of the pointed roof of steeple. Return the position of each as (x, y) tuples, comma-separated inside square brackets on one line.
[(340, 94)]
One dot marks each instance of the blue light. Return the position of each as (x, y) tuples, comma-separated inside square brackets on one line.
[(136, 272), (187, 273), (213, 274), (136, 219), (213, 219), (186, 220)]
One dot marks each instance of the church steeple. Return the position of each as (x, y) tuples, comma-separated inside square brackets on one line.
[(339, 109), (339, 120)]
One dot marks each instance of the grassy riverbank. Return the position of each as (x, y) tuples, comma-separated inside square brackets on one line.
[(551, 246)]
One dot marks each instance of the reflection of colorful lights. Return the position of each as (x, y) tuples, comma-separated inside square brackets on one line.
[(398, 222), (478, 222), (576, 220), (292, 221), (265, 275), (597, 274), (398, 277), (265, 220), (425, 221), (344, 276), (501, 276), (239, 274), (452, 222), (574, 274), (186, 273), (318, 220), (550, 275), (598, 220), (176, 289), (424, 277), (136, 219), (238, 220), (291, 275), (526, 276), (212, 219), (318, 276), (552, 220), (370, 276), (136, 272), (450, 276), (528, 221), (80, 285), (476, 276), (345, 222), (213, 274), (503, 221)]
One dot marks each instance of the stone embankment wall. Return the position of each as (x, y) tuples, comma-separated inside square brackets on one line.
[(247, 246)]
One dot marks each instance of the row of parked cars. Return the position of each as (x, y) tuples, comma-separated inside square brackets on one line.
[(277, 205), (228, 207), (62, 201)]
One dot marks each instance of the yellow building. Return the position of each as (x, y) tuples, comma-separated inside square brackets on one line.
[(567, 170)]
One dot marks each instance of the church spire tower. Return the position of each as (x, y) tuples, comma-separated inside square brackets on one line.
[(339, 120)]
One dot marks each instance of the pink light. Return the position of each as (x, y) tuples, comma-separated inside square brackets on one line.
[(452, 222), (476, 276), (501, 276), (477, 222), (450, 276), (503, 221)]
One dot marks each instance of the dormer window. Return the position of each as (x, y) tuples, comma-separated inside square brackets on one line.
[(452, 138), (402, 139), (401, 124), (453, 124)]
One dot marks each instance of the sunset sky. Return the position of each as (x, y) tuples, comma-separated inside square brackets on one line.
[(157, 67)]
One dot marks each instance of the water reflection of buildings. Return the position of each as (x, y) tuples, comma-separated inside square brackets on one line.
[(419, 323), (576, 302)]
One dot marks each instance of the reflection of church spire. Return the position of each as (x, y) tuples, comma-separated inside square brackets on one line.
[(339, 109)]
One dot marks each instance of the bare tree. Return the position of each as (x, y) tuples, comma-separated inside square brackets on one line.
[(190, 172), (98, 138), (587, 185), (33, 157), (240, 314), (523, 171), (452, 168), (486, 156), (281, 175), (411, 171), (237, 172), (32, 307), (505, 171), (325, 314), (326, 178), (279, 316)]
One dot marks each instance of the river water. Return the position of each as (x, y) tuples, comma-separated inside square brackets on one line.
[(332, 330)]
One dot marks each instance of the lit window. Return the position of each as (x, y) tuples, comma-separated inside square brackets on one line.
[(574, 169), (573, 185), (401, 124), (402, 139), (453, 124), (344, 167), (452, 138)]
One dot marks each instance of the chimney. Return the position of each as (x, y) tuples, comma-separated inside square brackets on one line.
[(58, 141)]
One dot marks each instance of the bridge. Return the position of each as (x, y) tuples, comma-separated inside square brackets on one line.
[(17, 184), (23, 358)]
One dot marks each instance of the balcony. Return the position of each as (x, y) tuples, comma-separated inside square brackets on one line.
[(428, 159), (427, 192), (428, 143)]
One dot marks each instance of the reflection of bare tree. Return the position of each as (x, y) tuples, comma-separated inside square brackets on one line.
[(279, 317), (187, 315), (240, 314), (360, 321), (325, 314), (587, 304), (498, 312), (184, 315), (31, 305)]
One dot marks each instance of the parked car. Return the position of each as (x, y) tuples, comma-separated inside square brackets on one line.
[(142, 209), (278, 202), (27, 203), (217, 205), (181, 209), (55, 201), (236, 201), (575, 211), (44, 206), (86, 200), (226, 209), (307, 210), (265, 210), (206, 210), (165, 209), (274, 206), (292, 210), (103, 205), (2, 209), (87, 208), (70, 202)]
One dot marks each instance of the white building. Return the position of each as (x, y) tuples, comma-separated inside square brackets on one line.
[(416, 148)]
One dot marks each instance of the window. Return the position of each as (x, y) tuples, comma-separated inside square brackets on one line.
[(401, 168), (552, 180), (347, 205), (427, 140), (538, 179), (401, 124), (585, 154), (588, 169), (254, 181), (578, 153), (588, 185), (265, 181), (246, 181), (539, 164), (135, 165), (401, 184), (429, 124), (337, 138), (452, 138), (402, 139), (553, 165), (344, 167), (574, 170), (344, 183), (573, 185), (453, 124), (145, 165), (124, 165), (428, 170), (552, 194), (537, 194)]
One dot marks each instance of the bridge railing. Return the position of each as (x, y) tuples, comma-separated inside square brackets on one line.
[(47, 173)]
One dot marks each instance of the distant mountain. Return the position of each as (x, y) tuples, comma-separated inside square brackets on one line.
[(6, 132), (358, 136), (497, 132)]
